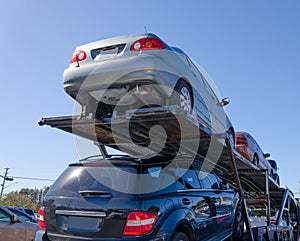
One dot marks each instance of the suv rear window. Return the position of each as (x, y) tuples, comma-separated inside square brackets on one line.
[(115, 179), (29, 211)]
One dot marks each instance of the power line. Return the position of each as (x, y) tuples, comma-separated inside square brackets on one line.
[(11, 178), (34, 178)]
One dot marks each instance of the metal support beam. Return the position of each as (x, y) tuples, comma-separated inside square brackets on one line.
[(240, 189), (102, 149), (283, 205), (268, 199)]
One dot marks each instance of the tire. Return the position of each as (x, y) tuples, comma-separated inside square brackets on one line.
[(179, 237), (255, 160), (231, 137), (238, 232), (104, 110), (183, 96)]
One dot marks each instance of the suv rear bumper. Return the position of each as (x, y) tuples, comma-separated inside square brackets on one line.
[(42, 236)]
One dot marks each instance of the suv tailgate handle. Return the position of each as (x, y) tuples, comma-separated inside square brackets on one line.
[(186, 201), (81, 213)]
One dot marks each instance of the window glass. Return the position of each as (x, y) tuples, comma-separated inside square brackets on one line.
[(208, 81), (97, 177), (21, 215), (199, 74), (117, 179), (4, 217), (29, 211), (205, 183), (202, 209), (251, 139), (208, 180), (223, 205), (214, 181), (154, 171), (158, 178), (189, 178), (273, 164), (208, 87)]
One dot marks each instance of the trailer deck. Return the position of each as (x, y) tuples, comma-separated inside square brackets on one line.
[(133, 133)]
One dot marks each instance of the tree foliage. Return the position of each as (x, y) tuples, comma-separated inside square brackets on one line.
[(28, 198)]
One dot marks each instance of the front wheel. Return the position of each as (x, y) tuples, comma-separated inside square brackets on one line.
[(179, 237)]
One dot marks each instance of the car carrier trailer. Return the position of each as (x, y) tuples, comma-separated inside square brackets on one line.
[(130, 133)]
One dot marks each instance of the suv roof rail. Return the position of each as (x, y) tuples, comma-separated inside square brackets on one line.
[(104, 157), (142, 159)]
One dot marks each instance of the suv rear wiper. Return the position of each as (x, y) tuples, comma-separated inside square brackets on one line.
[(94, 193)]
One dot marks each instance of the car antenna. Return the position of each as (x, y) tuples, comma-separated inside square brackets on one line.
[(145, 28)]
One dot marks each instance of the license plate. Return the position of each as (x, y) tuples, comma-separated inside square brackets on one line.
[(107, 52), (80, 224)]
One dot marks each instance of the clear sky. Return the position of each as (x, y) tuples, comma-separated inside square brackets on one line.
[(251, 49)]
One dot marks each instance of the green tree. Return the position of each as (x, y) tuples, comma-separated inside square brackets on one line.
[(28, 198)]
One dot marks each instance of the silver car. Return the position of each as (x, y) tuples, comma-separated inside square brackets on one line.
[(134, 71)]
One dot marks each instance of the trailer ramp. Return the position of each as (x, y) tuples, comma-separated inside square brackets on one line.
[(131, 132)]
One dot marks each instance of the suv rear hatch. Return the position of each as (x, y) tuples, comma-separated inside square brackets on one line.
[(93, 199), (85, 201)]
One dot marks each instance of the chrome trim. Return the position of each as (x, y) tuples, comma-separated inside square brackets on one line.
[(201, 190), (81, 213)]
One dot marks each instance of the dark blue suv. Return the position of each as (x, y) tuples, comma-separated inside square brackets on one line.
[(127, 198)]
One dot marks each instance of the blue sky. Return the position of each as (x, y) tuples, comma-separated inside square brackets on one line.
[(250, 49)]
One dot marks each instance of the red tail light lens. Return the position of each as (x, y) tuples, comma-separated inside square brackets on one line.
[(241, 140), (78, 56), (139, 223), (148, 43), (41, 218)]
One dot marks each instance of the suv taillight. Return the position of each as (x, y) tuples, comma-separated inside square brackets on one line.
[(139, 223), (41, 218), (148, 43), (78, 55)]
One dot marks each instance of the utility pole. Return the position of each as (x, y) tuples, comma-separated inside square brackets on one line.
[(5, 178)]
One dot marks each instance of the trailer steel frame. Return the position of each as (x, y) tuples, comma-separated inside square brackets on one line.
[(255, 187)]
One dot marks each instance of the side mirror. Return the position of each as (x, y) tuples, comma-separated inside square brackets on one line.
[(225, 101), (14, 218), (224, 185), (266, 155)]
